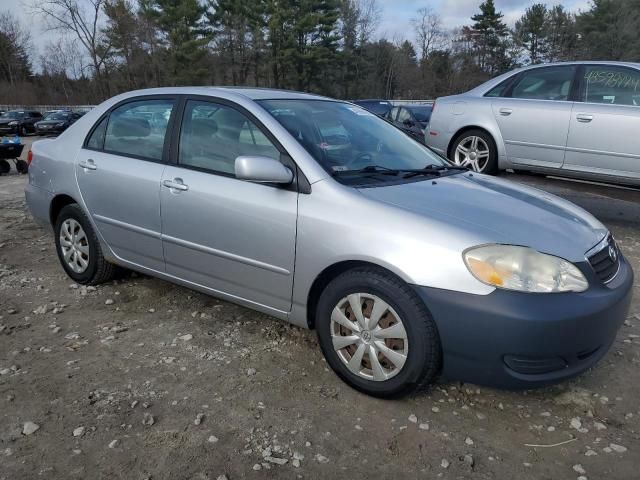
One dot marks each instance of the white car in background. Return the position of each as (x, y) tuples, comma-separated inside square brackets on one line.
[(577, 119)]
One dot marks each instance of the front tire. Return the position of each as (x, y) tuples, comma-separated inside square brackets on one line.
[(475, 149), (376, 333), (78, 248)]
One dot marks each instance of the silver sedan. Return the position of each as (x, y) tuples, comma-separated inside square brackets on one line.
[(578, 119), (321, 214)]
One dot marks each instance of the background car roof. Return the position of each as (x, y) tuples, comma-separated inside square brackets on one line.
[(488, 85)]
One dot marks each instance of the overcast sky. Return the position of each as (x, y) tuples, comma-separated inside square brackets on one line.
[(396, 15)]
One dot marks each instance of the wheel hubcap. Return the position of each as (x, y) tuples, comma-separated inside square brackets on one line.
[(369, 337), (74, 245), (474, 152)]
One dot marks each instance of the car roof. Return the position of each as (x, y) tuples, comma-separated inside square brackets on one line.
[(488, 85), (252, 93)]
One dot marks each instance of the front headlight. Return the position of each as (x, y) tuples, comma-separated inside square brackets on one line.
[(523, 269), (13, 124)]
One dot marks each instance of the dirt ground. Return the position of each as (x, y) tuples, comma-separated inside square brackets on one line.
[(142, 379)]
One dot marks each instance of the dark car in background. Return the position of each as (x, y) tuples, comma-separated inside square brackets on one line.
[(412, 119), (379, 107), (19, 122), (56, 122)]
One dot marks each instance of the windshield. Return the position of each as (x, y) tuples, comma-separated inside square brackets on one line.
[(379, 108), (422, 114), (12, 115), (343, 137), (57, 116)]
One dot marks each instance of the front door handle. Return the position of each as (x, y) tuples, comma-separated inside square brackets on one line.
[(176, 184), (584, 118), (505, 112), (88, 165)]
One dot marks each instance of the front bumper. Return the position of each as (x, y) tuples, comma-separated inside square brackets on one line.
[(520, 340), (8, 130), (44, 130)]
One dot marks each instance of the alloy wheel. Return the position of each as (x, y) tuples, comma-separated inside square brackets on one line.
[(74, 245), (369, 336), (472, 151)]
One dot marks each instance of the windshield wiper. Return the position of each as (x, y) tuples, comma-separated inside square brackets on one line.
[(435, 170), (369, 169)]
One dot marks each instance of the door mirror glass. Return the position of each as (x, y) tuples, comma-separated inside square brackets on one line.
[(262, 169)]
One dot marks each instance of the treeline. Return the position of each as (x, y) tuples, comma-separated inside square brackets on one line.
[(326, 46)]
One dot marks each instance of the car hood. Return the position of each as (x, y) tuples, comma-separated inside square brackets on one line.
[(500, 211), (50, 122)]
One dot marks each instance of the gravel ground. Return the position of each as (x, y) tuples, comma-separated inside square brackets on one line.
[(142, 379)]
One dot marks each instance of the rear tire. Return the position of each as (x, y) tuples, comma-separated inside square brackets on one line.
[(476, 149), (22, 166), (410, 357), (5, 167), (78, 248)]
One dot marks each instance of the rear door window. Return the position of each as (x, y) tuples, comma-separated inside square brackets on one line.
[(611, 85), (548, 83), (138, 129)]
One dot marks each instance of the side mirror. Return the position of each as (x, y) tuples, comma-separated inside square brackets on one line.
[(262, 170)]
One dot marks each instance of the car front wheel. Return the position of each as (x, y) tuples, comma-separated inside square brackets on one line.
[(475, 149), (377, 334)]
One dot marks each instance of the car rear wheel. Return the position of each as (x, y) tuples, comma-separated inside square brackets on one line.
[(78, 248), (377, 334), (475, 149)]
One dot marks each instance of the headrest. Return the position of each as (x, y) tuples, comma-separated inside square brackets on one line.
[(203, 127), (130, 127)]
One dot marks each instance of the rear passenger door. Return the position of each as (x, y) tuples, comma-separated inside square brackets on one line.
[(605, 124), (234, 237), (119, 170), (533, 116)]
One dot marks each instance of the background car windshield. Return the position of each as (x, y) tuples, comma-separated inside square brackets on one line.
[(12, 115), (341, 136), (58, 116), (422, 114)]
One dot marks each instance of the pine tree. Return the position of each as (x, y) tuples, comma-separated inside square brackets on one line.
[(181, 23), (530, 32), (491, 39)]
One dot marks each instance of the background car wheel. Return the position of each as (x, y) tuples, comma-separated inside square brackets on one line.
[(22, 166), (5, 167), (377, 334), (475, 149), (79, 249)]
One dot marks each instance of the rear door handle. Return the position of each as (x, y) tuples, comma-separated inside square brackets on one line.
[(505, 112), (176, 184), (584, 118), (88, 165)]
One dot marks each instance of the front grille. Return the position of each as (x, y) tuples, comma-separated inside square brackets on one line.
[(606, 261)]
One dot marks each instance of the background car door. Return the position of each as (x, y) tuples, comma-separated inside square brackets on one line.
[(229, 235), (119, 171), (534, 120), (603, 137)]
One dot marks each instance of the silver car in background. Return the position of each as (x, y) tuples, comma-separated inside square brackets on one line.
[(578, 119), (317, 212)]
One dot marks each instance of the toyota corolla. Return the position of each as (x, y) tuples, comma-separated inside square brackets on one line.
[(321, 214)]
